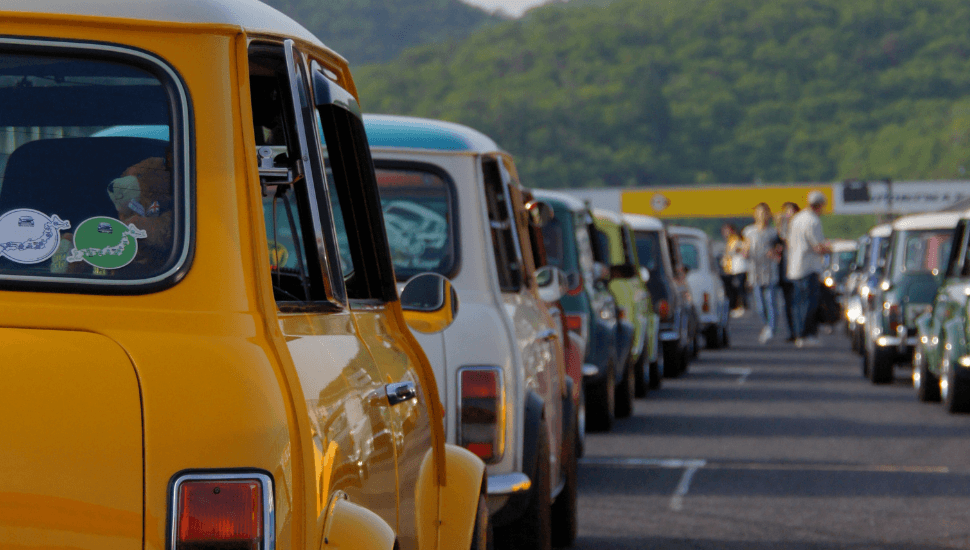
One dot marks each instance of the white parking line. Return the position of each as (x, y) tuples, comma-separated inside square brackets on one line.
[(690, 467), (743, 372), (677, 501)]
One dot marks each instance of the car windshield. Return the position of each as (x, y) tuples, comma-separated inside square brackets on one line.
[(419, 219), (921, 251), (87, 191)]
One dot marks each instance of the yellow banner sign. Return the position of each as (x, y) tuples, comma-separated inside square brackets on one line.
[(724, 201)]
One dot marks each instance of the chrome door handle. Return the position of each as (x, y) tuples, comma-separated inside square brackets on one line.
[(400, 392), (548, 335)]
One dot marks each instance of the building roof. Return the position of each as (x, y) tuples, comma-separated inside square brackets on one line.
[(687, 232), (648, 223), (401, 132), (251, 15), (566, 199), (934, 220)]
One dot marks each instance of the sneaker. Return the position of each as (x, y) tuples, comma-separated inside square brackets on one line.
[(811, 342), (766, 334), (799, 343)]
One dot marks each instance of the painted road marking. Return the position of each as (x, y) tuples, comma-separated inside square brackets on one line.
[(692, 465), (742, 372)]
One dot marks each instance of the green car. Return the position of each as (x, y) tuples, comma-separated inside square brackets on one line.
[(637, 338), (918, 249), (941, 359)]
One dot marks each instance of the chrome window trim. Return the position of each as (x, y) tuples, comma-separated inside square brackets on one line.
[(333, 285), (269, 512), (183, 111), (501, 416)]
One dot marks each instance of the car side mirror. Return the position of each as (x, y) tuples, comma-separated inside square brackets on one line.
[(430, 303), (645, 274), (540, 213), (574, 282), (552, 283), (622, 271)]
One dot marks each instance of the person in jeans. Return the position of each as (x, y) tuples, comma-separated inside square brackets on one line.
[(782, 222), (763, 251), (806, 245), (735, 269)]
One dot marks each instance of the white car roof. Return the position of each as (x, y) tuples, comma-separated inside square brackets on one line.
[(414, 133), (570, 201), (639, 221), (251, 15), (935, 220), (843, 245), (607, 214), (882, 230), (687, 232)]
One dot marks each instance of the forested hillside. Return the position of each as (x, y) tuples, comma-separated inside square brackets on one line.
[(642, 92), (373, 31)]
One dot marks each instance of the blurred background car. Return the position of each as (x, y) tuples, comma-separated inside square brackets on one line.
[(865, 277), (669, 293), (634, 305), (918, 249), (709, 299)]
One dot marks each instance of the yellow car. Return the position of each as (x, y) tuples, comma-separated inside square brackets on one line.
[(201, 338)]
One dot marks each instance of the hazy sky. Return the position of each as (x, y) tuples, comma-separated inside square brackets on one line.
[(511, 7)]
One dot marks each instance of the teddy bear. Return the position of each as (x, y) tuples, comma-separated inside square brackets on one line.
[(143, 197)]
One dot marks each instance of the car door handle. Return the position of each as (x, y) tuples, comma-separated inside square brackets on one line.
[(400, 392), (548, 335)]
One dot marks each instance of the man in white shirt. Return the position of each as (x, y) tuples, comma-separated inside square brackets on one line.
[(806, 245)]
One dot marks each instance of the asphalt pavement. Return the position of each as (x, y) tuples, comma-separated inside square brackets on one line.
[(774, 447)]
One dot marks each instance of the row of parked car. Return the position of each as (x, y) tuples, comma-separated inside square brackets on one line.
[(906, 303), (278, 322)]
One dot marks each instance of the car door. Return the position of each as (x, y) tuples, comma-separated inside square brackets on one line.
[(371, 289), (535, 330), (338, 376)]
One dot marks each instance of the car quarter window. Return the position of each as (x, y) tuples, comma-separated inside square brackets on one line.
[(94, 194), (298, 268), (502, 226)]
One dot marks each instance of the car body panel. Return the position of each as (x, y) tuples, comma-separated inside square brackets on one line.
[(213, 368)]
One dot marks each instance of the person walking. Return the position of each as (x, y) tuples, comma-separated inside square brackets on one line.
[(735, 269), (806, 245), (763, 251), (783, 222)]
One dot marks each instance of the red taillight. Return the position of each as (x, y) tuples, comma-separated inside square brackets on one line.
[(574, 323), (706, 306), (663, 310), (227, 513), (895, 318), (480, 411)]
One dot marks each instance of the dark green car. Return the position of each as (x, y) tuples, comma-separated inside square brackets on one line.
[(918, 251), (941, 360)]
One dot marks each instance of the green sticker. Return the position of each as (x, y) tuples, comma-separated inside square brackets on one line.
[(106, 243)]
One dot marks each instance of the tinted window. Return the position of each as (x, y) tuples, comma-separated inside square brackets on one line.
[(648, 250), (689, 254), (88, 187), (419, 219), (922, 251)]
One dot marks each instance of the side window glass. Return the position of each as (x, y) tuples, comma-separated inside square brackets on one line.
[(291, 228), (502, 228), (584, 248)]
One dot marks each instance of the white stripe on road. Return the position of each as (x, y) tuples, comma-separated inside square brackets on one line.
[(690, 468), (677, 501), (743, 372)]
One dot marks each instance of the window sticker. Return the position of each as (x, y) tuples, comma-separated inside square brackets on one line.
[(106, 243), (279, 255), (28, 236)]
